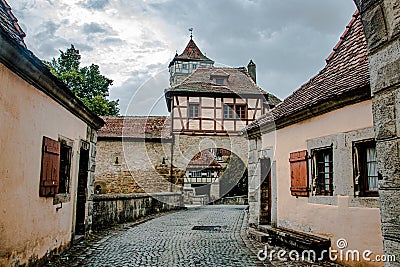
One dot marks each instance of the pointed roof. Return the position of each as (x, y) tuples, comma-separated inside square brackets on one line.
[(9, 23), (345, 74), (191, 53)]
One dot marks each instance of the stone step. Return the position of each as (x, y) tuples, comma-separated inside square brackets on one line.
[(296, 239), (257, 235)]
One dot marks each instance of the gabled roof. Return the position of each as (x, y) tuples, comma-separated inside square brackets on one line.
[(140, 127), (203, 160), (9, 23), (239, 83), (191, 53), (346, 73)]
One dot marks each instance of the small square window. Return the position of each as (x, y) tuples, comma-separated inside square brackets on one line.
[(220, 81)]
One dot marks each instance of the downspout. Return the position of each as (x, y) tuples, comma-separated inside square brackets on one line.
[(172, 142)]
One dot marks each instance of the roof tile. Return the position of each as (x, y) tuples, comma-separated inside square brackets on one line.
[(136, 127), (346, 70), (9, 23), (239, 82)]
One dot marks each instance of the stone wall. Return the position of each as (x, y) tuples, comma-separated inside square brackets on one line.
[(109, 210), (381, 20), (130, 166)]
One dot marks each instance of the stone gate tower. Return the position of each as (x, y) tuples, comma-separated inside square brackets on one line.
[(209, 107)]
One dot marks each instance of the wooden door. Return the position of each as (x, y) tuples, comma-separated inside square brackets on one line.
[(265, 191)]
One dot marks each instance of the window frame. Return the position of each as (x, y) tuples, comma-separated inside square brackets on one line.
[(230, 111), (319, 177), (65, 145), (244, 109), (360, 173), (220, 81), (197, 110)]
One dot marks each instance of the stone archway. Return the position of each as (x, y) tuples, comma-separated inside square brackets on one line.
[(381, 21)]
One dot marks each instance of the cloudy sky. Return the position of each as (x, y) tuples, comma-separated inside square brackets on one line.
[(134, 40)]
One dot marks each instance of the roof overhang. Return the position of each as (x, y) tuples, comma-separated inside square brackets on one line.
[(336, 102)]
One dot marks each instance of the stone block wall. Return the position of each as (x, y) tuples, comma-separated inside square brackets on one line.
[(109, 210), (381, 21), (131, 166)]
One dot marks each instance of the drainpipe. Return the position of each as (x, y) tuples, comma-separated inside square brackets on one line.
[(172, 142)]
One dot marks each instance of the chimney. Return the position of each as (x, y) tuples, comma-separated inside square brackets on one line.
[(251, 67)]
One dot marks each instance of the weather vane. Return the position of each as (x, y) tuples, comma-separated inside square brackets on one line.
[(191, 33)]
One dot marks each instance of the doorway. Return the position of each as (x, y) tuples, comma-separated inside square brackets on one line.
[(82, 187), (265, 192)]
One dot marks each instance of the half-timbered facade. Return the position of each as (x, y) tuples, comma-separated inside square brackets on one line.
[(216, 101), (209, 106)]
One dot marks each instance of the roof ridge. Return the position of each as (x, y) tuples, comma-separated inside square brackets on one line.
[(343, 36)]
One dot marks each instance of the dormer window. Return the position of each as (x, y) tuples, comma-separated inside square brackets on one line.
[(219, 77), (220, 81)]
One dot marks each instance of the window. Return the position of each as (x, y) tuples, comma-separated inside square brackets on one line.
[(323, 172), (240, 111), (194, 174), (65, 167), (235, 111), (220, 81), (228, 111), (193, 110), (365, 169), (194, 66)]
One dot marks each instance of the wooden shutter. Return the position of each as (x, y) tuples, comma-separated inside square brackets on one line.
[(49, 178), (299, 174)]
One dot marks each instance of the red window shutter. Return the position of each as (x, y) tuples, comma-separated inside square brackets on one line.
[(49, 178), (299, 174)]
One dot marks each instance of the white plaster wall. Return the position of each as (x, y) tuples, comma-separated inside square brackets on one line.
[(359, 225), (29, 224)]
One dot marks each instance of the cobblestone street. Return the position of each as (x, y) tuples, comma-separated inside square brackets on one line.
[(171, 241)]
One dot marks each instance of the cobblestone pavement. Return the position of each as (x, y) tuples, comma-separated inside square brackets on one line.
[(170, 240)]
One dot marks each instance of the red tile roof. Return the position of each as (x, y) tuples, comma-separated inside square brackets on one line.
[(9, 23), (192, 53), (136, 127), (203, 160), (239, 82), (346, 71)]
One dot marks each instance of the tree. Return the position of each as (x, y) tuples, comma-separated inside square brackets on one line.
[(87, 83)]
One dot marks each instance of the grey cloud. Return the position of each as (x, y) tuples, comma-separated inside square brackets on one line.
[(288, 38), (95, 4), (93, 27), (142, 94), (112, 41)]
